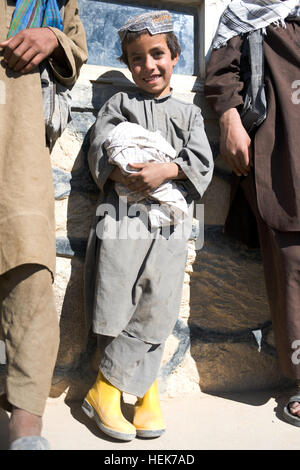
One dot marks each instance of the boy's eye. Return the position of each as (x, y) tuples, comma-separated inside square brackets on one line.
[(157, 54)]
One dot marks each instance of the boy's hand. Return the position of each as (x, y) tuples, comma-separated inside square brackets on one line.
[(235, 143), (150, 176), (28, 48)]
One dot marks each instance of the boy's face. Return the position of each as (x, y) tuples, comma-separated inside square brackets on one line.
[(150, 63)]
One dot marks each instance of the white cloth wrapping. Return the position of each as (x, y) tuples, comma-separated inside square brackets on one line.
[(131, 143), (243, 16)]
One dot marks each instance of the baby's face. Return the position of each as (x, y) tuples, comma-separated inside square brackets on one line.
[(151, 64)]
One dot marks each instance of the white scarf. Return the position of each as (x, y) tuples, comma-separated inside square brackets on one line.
[(242, 16)]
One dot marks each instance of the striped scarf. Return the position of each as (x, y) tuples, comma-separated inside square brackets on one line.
[(243, 16), (35, 14)]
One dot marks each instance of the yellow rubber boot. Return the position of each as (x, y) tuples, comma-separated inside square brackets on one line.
[(103, 404), (148, 419)]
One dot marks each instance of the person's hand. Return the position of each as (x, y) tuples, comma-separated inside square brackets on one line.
[(150, 176), (235, 143), (28, 48)]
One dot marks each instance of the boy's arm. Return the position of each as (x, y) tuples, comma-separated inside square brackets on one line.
[(195, 160), (222, 89), (193, 166), (109, 116)]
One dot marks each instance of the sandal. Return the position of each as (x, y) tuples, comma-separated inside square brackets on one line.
[(292, 419)]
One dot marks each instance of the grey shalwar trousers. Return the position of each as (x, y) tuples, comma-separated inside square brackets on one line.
[(129, 363), (137, 298)]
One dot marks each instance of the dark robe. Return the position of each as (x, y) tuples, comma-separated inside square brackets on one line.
[(277, 141)]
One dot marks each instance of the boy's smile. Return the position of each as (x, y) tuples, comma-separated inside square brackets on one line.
[(151, 64)]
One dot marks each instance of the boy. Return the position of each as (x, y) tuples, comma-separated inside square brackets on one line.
[(133, 286)]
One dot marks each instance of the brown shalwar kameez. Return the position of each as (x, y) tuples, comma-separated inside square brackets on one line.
[(272, 188), (27, 230)]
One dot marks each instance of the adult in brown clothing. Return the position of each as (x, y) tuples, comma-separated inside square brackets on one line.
[(265, 164), (29, 323)]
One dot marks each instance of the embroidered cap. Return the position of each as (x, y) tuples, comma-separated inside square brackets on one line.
[(156, 22)]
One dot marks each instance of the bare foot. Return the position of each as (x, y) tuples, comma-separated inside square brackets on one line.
[(22, 423)]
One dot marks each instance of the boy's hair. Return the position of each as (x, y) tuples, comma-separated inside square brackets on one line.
[(171, 40)]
